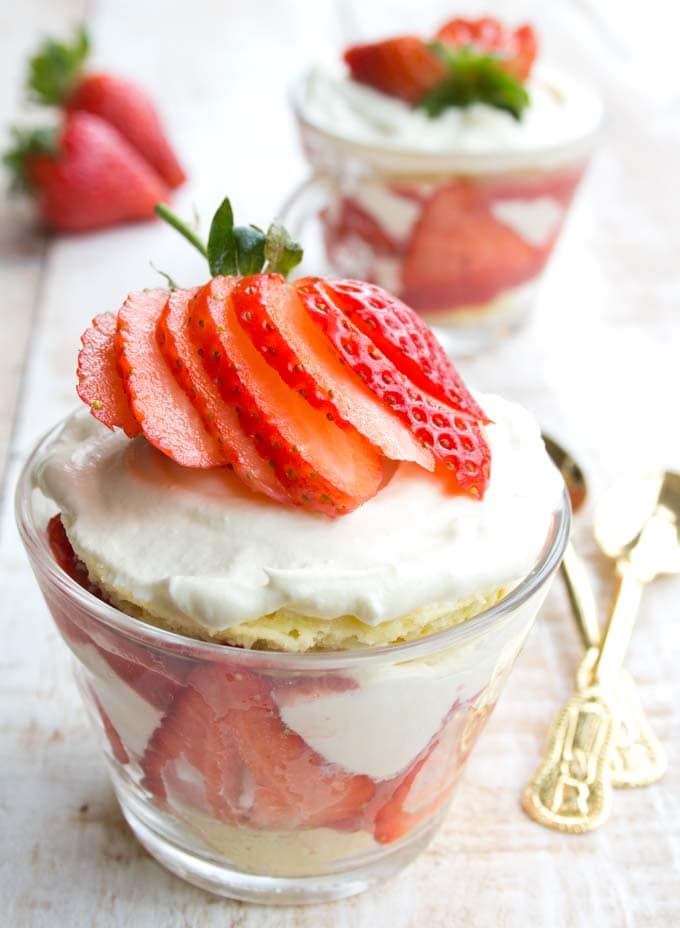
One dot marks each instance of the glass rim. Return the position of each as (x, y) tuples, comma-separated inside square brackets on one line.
[(37, 546), (579, 145)]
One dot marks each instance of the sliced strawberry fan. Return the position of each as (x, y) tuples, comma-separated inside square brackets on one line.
[(304, 390)]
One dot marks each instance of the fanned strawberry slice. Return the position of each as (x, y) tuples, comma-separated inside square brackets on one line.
[(460, 254), (219, 418), (403, 337), (516, 48), (162, 408), (99, 383), (322, 467), (454, 439), (402, 67), (278, 325)]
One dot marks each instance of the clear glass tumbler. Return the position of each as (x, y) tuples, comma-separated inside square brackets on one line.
[(203, 746), (462, 238)]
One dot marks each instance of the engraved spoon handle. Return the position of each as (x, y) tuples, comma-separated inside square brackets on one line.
[(571, 790)]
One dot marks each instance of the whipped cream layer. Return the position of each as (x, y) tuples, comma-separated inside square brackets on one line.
[(197, 545), (562, 110)]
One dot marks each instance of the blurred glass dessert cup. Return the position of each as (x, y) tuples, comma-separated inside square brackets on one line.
[(456, 214)]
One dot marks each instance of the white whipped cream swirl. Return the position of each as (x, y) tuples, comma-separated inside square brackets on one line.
[(198, 544)]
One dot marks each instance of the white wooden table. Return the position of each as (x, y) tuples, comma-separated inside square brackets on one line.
[(600, 366)]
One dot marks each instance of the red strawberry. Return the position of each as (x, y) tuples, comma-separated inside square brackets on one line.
[(99, 383), (153, 675), (353, 221), (88, 177), (57, 75), (517, 48), (275, 319), (454, 439), (66, 557), (164, 411), (322, 467), (126, 107), (225, 728), (558, 185), (219, 418), (402, 67), (403, 337), (459, 254), (427, 785)]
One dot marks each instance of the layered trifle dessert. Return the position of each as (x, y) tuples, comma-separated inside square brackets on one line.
[(448, 162), (295, 558)]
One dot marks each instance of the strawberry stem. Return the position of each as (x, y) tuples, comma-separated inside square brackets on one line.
[(239, 250), (173, 220)]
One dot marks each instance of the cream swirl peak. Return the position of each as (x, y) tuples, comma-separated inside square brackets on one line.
[(562, 110), (191, 545)]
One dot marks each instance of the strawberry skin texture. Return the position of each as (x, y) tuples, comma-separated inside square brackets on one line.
[(516, 48), (454, 440), (403, 337), (96, 180), (294, 437), (99, 383), (278, 325), (129, 110), (165, 413), (402, 67)]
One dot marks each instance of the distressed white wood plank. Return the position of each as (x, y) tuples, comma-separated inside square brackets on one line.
[(22, 244), (604, 342)]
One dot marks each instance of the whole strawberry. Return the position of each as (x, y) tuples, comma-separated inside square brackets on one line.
[(84, 175), (58, 75)]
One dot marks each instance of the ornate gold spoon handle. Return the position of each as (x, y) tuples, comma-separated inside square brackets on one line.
[(637, 756), (571, 790)]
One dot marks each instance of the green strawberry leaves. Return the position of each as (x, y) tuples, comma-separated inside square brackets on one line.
[(221, 251), (239, 250), (55, 69), (474, 77), (25, 143), (281, 252)]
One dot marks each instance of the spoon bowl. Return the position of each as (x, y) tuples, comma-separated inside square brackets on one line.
[(573, 476), (638, 521)]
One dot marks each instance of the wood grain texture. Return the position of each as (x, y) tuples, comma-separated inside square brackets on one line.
[(599, 365)]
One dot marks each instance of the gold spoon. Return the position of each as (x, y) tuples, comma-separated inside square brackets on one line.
[(637, 756), (573, 569), (638, 523)]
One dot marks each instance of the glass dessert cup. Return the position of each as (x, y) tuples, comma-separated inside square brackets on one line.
[(201, 739), (462, 238)]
